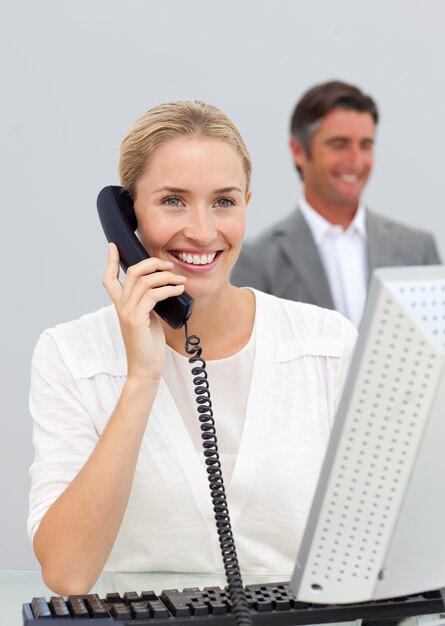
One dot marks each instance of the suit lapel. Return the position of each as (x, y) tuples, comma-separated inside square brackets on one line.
[(301, 251), (380, 244)]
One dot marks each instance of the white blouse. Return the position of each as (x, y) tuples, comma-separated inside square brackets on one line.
[(301, 358), (229, 383)]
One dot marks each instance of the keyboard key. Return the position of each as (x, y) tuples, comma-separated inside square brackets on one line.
[(59, 607), (251, 600), (120, 611), (282, 604), (111, 598), (131, 596), (199, 608), (175, 602), (148, 596), (77, 607), (218, 608), (140, 610), (40, 607), (157, 609), (95, 606), (263, 604)]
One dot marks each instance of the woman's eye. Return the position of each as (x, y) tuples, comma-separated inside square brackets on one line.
[(225, 202), (172, 201)]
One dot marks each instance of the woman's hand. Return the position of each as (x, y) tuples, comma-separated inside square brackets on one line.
[(146, 283)]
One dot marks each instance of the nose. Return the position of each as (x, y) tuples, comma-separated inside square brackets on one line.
[(354, 157), (200, 227), (359, 157)]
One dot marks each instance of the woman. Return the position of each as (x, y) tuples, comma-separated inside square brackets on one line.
[(118, 479)]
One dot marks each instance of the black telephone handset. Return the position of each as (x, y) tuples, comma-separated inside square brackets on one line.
[(118, 219)]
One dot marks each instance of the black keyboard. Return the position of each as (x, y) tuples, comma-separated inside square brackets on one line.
[(270, 604)]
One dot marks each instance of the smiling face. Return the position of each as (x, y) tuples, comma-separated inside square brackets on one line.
[(339, 163), (190, 206)]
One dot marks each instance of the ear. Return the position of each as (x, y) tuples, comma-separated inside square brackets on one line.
[(249, 195), (297, 151)]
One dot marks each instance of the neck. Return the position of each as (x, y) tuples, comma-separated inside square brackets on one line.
[(223, 322), (341, 214)]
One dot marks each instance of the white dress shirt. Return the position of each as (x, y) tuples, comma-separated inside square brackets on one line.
[(344, 257)]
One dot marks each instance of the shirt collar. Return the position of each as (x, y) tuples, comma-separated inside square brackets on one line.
[(319, 226)]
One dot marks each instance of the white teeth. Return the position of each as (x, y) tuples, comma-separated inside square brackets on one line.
[(349, 178), (195, 259)]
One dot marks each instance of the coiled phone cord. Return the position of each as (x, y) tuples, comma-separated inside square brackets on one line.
[(238, 598)]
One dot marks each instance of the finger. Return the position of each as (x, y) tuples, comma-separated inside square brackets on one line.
[(141, 314), (148, 267), (148, 283), (150, 300), (145, 267), (111, 277), (152, 281)]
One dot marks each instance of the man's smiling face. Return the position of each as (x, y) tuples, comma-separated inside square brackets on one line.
[(340, 160)]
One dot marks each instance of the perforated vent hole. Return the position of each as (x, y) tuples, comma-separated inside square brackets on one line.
[(427, 304)]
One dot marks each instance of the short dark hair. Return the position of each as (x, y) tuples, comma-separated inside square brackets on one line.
[(319, 101)]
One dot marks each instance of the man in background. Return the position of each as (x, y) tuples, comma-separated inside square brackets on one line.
[(325, 251)]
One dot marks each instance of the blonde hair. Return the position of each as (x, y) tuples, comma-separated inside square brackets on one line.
[(174, 120)]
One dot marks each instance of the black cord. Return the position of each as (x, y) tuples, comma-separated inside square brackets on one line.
[(238, 598)]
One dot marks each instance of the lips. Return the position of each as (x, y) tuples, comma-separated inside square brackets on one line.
[(194, 258), (350, 178)]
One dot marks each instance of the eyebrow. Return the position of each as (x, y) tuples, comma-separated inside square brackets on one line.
[(228, 189), (346, 138), (181, 190)]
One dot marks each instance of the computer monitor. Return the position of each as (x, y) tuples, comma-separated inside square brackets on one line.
[(376, 528)]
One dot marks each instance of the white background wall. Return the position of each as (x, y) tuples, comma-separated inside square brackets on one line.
[(75, 74)]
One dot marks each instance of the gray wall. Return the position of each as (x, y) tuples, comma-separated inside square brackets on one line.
[(76, 73)]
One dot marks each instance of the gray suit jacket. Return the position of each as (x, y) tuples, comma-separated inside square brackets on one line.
[(284, 260)]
